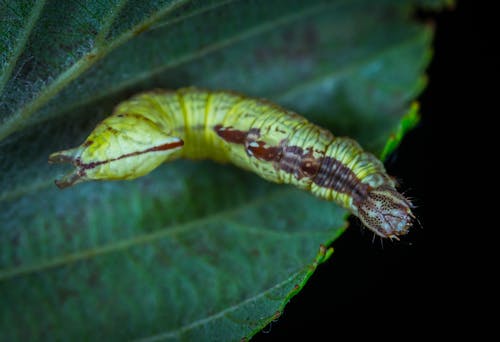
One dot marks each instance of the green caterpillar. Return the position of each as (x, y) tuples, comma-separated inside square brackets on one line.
[(278, 145)]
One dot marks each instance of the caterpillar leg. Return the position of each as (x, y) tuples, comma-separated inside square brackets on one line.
[(114, 151)]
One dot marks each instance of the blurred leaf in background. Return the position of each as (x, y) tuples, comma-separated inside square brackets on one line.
[(195, 250)]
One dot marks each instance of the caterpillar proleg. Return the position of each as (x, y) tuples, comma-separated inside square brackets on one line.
[(277, 144)]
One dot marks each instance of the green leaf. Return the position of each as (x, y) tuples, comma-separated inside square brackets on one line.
[(195, 250)]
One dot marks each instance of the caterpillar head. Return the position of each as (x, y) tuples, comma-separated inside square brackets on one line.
[(123, 146), (386, 212)]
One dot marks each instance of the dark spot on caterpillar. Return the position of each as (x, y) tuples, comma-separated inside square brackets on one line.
[(249, 138), (301, 164), (231, 135), (253, 134), (88, 143), (112, 129), (309, 167), (259, 151)]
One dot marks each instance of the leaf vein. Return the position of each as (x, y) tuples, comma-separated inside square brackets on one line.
[(21, 43), (108, 23), (177, 333), (15, 121), (147, 238)]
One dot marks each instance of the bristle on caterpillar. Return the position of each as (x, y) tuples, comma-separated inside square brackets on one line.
[(277, 144)]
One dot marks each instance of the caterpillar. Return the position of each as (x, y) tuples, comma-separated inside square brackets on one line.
[(277, 144)]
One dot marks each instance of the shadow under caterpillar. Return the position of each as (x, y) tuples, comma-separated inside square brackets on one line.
[(277, 144)]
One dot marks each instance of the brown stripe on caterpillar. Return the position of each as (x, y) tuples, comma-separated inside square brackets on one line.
[(253, 147), (163, 147), (325, 172), (231, 135), (259, 150), (301, 164), (335, 175), (70, 156)]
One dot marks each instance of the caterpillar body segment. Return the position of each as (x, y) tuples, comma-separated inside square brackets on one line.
[(279, 145)]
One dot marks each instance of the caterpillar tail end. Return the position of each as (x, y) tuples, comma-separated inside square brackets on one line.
[(71, 157), (117, 157)]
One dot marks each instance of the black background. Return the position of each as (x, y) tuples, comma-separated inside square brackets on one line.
[(367, 288)]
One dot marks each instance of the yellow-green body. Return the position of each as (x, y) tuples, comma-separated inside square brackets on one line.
[(254, 134)]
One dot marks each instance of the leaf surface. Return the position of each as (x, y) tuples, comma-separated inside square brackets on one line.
[(196, 249)]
